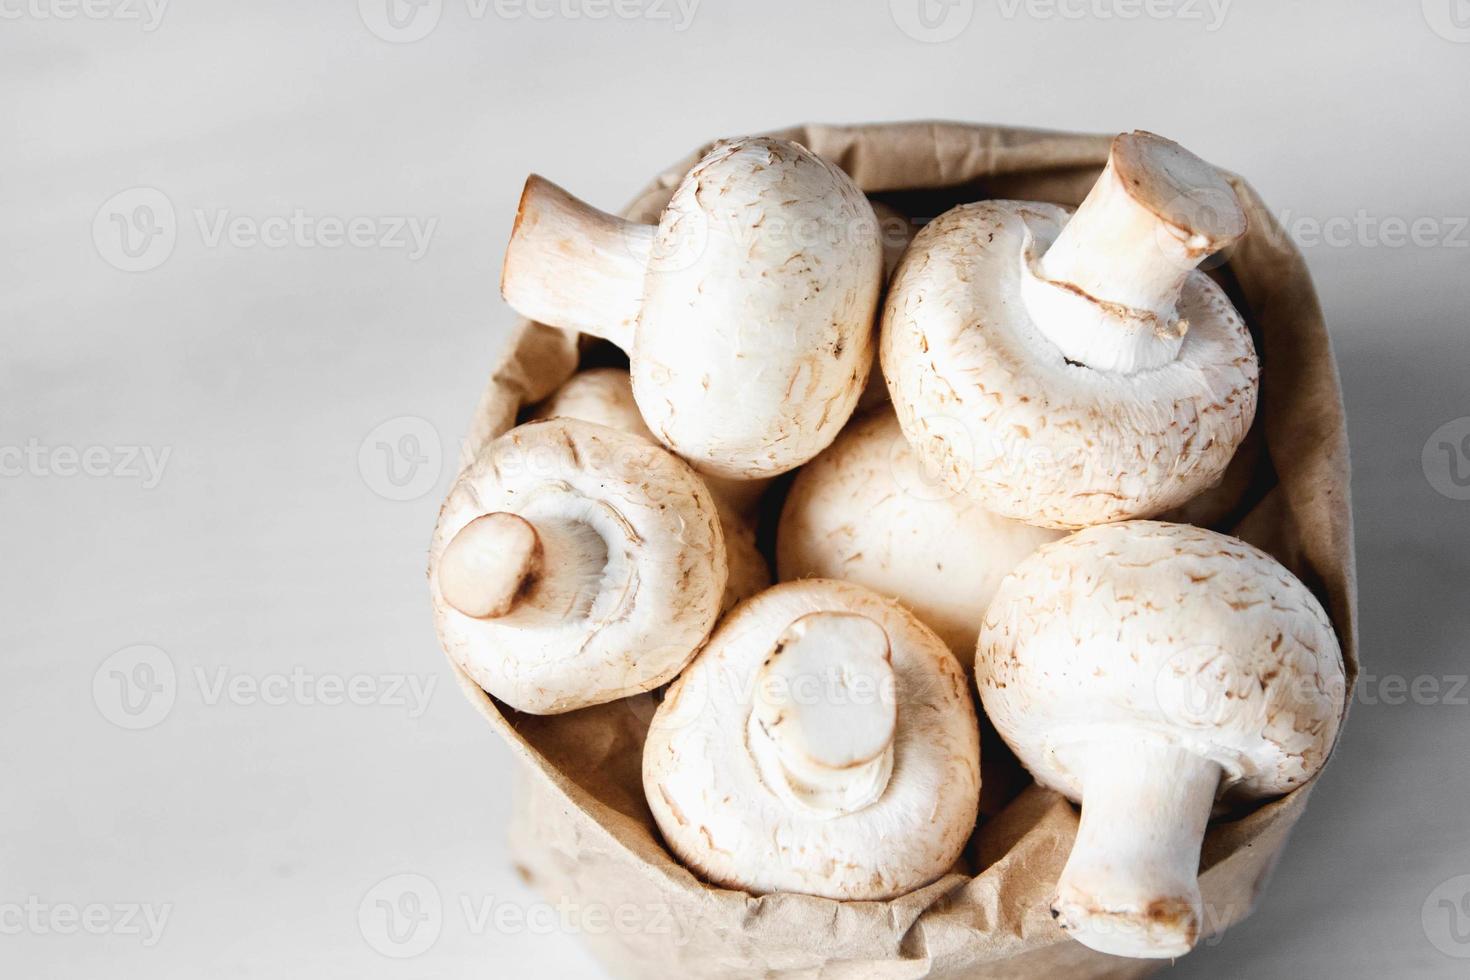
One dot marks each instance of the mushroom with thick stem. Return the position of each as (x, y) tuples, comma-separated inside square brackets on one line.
[(605, 396), (823, 742), (573, 565), (866, 511), (1069, 372), (747, 312), (1147, 670)]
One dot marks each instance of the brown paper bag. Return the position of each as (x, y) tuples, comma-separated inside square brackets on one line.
[(583, 834)]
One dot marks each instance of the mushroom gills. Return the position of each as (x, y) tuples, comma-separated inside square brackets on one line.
[(503, 567), (604, 396), (573, 564)]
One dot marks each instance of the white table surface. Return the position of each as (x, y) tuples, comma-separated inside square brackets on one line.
[(255, 817)]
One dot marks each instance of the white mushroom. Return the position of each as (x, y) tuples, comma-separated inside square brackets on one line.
[(823, 742), (747, 312), (1146, 669), (574, 564), (865, 511), (605, 396), (1073, 372)]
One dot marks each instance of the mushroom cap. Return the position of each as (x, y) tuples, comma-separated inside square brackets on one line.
[(1167, 632), (727, 823), (865, 511), (992, 404), (657, 588), (756, 333), (605, 396), (602, 395)]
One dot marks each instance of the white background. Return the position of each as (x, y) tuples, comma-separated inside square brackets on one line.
[(264, 547)]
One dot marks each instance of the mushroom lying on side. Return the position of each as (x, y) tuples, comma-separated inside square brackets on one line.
[(1145, 669), (574, 564), (1068, 372), (747, 312), (605, 396), (865, 511), (822, 742)]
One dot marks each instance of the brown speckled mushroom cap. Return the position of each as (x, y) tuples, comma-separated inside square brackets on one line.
[(573, 565), (865, 511), (1145, 669), (1063, 405), (747, 313), (823, 742)]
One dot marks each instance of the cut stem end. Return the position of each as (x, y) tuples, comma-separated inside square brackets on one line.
[(490, 565), (1106, 291), (826, 713)]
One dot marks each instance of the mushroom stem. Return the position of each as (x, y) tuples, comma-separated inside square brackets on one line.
[(573, 266), (1106, 291), (502, 567), (822, 728), (1131, 885)]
